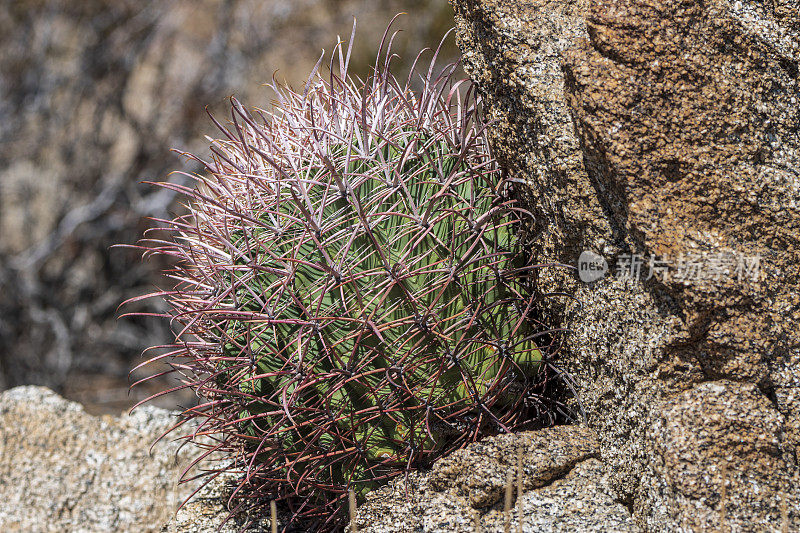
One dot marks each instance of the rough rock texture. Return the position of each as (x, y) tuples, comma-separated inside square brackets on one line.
[(737, 445), (63, 470), (668, 131), (208, 511), (93, 96), (565, 489)]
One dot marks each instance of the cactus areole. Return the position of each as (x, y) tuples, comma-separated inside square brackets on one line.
[(352, 288)]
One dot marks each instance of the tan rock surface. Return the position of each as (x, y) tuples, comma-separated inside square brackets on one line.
[(63, 470), (678, 135), (720, 462), (565, 489), (547, 455)]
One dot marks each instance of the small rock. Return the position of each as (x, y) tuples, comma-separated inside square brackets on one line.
[(565, 489)]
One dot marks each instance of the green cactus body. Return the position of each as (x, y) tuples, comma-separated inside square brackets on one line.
[(367, 318), (353, 289)]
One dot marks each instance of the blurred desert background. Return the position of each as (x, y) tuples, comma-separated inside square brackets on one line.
[(94, 95)]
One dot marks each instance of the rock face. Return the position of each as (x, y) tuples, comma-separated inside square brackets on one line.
[(665, 136), (564, 489), (64, 470)]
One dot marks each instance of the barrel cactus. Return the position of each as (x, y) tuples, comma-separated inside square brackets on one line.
[(354, 293)]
